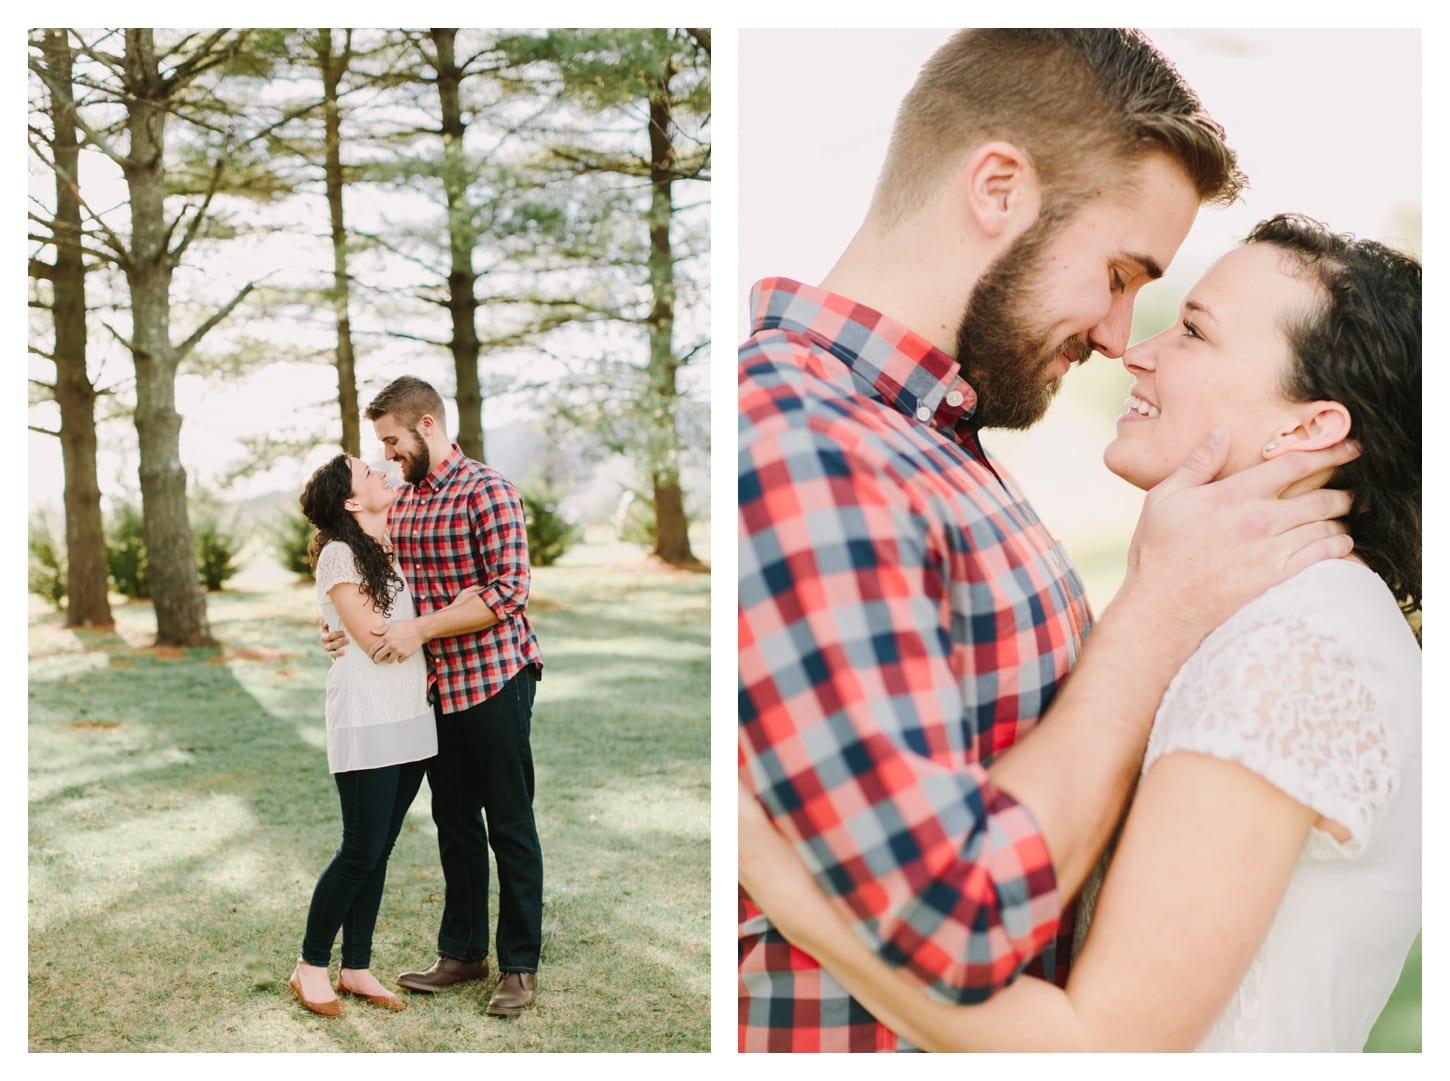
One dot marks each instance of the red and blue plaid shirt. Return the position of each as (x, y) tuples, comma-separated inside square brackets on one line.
[(463, 525), (904, 617)]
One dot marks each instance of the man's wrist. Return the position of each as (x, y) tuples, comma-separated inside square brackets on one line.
[(1156, 633)]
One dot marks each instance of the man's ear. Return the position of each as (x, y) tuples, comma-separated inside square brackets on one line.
[(1000, 188), (1320, 425)]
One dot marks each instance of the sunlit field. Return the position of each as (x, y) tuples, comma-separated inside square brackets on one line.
[(180, 811)]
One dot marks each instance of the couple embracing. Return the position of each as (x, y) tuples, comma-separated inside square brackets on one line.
[(435, 662), (972, 817)]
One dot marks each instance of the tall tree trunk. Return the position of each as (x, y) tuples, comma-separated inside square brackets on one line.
[(332, 69), (87, 601), (170, 549), (462, 281), (672, 537)]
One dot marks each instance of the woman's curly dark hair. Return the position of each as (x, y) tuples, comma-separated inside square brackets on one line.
[(322, 503), (1361, 347)]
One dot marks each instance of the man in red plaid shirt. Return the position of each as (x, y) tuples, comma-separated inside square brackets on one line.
[(459, 532), (904, 618)]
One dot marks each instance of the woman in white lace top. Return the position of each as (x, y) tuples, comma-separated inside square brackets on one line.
[(380, 728), (1265, 889)]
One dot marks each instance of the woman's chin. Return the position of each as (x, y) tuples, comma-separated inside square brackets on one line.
[(1122, 464)]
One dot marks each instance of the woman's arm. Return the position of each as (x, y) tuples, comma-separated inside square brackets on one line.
[(359, 617), (335, 639), (1203, 864)]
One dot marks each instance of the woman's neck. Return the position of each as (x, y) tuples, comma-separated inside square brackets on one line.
[(376, 527)]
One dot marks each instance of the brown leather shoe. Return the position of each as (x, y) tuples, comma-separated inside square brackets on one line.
[(443, 974), (515, 992)]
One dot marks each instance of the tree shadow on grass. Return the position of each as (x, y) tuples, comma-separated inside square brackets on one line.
[(180, 811)]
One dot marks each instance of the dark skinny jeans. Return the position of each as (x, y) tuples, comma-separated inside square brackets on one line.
[(350, 890)]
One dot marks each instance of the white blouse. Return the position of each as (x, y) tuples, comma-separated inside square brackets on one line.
[(377, 714), (1315, 686)]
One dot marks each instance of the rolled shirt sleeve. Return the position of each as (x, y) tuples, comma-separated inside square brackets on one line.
[(502, 532), (851, 719)]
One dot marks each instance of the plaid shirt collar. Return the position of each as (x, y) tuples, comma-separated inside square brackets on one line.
[(888, 361), (441, 474)]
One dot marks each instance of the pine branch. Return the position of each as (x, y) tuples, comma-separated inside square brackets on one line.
[(115, 63), (700, 36), (201, 331), (125, 343), (417, 338), (174, 255), (206, 57)]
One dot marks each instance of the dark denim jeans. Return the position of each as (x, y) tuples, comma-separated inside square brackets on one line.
[(483, 796), (350, 889)]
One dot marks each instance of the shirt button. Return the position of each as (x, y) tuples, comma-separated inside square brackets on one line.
[(954, 398), (923, 414)]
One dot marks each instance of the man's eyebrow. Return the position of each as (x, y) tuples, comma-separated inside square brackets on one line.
[(1147, 262)]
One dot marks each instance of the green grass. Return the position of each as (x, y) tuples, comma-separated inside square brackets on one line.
[(180, 811), (1398, 1028)]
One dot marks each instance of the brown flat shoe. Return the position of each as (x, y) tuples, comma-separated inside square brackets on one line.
[(330, 1008), (444, 973), (383, 1001), (514, 993)]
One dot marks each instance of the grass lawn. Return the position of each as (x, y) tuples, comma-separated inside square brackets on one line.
[(1398, 1028), (180, 811)]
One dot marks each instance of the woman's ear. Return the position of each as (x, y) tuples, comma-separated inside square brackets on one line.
[(1320, 425), (351, 505), (1000, 189)]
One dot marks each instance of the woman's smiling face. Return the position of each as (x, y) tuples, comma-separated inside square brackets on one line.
[(1223, 363), (371, 491)]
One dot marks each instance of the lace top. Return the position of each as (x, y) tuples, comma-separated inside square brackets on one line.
[(377, 714), (1315, 686)]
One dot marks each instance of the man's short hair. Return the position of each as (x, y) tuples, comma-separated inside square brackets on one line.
[(1080, 103), (407, 398)]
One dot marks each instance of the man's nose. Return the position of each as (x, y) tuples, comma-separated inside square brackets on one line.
[(1110, 337)]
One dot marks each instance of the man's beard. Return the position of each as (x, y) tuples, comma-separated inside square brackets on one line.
[(419, 462), (1002, 354)]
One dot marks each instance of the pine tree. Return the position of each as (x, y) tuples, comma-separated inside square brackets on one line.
[(659, 80), (87, 599)]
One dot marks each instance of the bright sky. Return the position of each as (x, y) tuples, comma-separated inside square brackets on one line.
[(1326, 122)]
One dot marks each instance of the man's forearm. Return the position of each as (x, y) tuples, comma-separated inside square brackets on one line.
[(1075, 772), (469, 617), (1202, 548)]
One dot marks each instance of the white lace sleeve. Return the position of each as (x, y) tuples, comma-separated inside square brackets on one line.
[(1294, 706), (335, 563)]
